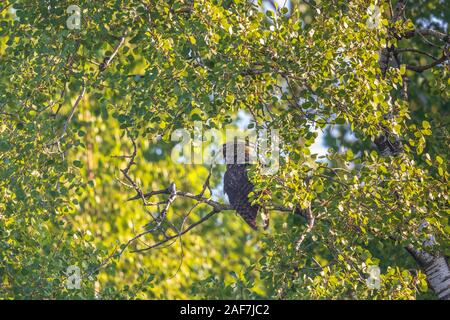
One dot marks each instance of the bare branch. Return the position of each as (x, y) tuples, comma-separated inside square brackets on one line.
[(108, 60), (399, 9), (421, 69), (173, 194), (310, 219), (192, 226), (5, 7), (206, 184), (216, 205), (428, 32), (125, 171), (415, 51), (72, 112)]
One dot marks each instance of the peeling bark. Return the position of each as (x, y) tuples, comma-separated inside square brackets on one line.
[(436, 269), (386, 147)]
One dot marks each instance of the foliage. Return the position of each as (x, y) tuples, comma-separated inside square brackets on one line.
[(74, 102)]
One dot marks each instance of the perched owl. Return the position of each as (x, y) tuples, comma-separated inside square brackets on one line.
[(236, 183)]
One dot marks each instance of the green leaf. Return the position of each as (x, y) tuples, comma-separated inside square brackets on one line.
[(402, 69), (78, 163)]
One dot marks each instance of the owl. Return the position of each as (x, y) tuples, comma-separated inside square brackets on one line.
[(237, 186)]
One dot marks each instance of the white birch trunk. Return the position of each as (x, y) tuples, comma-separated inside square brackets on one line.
[(436, 269)]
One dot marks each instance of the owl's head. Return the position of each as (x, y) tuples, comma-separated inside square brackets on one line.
[(237, 152)]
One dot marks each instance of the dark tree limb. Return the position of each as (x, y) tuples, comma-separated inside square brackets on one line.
[(400, 50), (428, 32), (421, 69)]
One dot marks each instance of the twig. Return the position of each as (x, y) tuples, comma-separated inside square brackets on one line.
[(310, 218), (125, 171), (72, 112), (5, 7), (192, 226), (421, 69), (416, 51), (206, 184), (105, 64), (173, 194), (428, 32)]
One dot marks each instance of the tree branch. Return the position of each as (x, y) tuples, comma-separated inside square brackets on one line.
[(399, 50), (107, 61), (72, 112), (192, 226), (421, 69), (428, 32), (216, 205), (310, 225)]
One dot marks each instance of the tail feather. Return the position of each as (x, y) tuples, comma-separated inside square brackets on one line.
[(248, 213)]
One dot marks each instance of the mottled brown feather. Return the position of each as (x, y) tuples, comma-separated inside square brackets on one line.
[(237, 187)]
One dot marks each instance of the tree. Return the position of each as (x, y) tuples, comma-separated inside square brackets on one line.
[(91, 96)]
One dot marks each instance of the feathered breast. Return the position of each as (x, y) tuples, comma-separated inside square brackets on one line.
[(237, 186)]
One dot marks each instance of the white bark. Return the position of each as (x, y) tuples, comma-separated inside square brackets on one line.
[(436, 269)]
